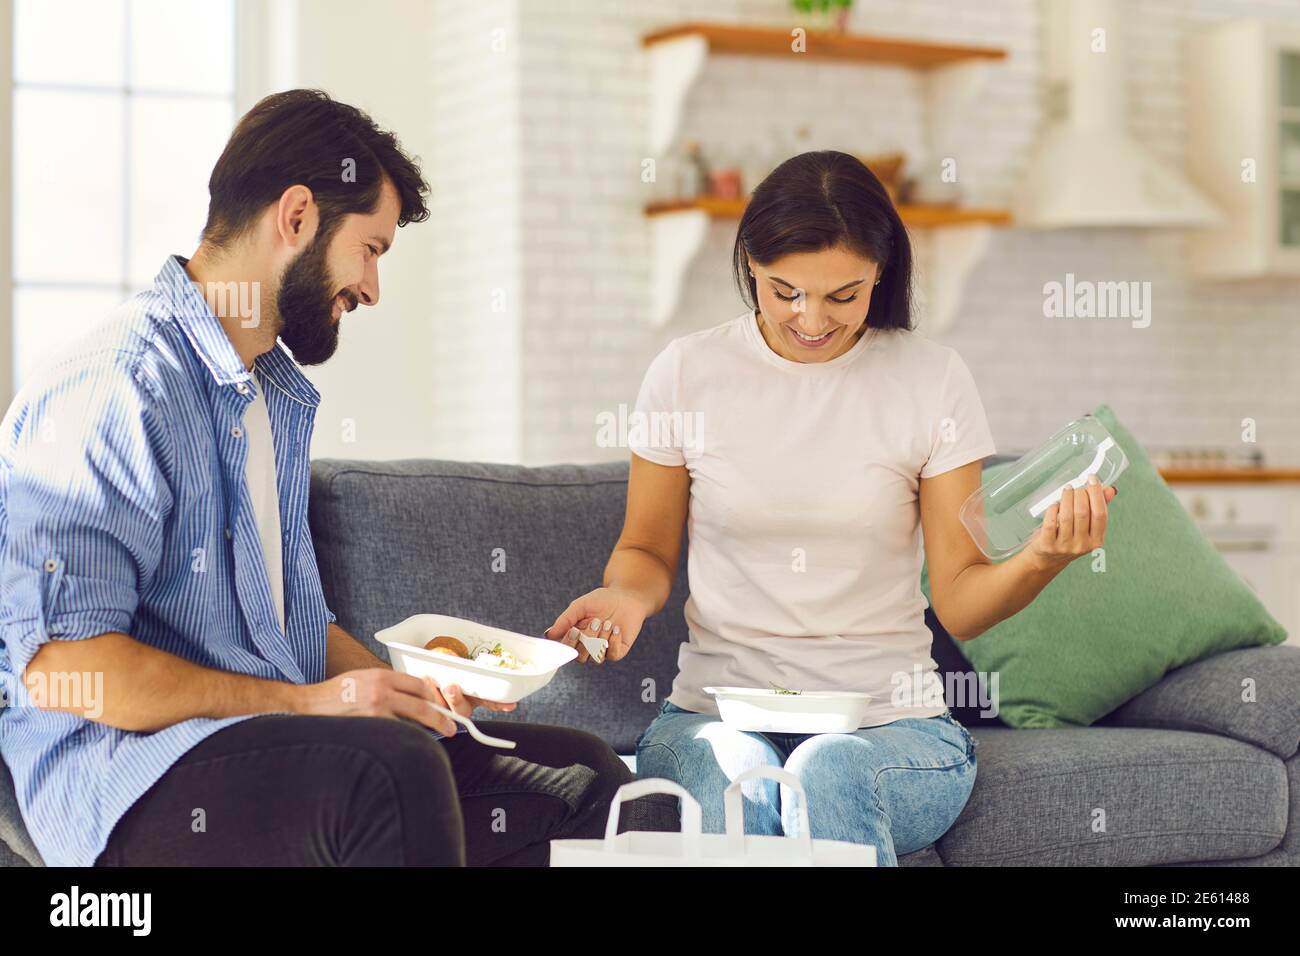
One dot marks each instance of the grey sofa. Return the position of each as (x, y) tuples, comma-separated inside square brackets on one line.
[(1185, 774)]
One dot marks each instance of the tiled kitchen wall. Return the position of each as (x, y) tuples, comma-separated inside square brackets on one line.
[(558, 224)]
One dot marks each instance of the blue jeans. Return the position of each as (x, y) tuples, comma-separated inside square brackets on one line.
[(897, 787)]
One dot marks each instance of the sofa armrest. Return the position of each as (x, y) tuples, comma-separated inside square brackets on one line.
[(1251, 695), (13, 833)]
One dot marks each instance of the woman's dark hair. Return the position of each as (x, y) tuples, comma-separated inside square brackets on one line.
[(819, 200), (302, 137)]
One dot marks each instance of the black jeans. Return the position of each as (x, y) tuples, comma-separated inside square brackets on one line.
[(284, 790)]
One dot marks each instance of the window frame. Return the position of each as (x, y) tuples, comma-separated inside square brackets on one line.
[(254, 22)]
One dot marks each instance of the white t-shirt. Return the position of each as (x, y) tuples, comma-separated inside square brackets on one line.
[(260, 474), (804, 556)]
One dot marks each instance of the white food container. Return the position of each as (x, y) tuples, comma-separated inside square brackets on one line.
[(405, 643), (809, 712)]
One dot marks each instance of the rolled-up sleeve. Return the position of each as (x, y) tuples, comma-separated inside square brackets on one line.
[(84, 504)]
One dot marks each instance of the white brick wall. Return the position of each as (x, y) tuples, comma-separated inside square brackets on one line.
[(477, 211), (434, 370), (539, 193)]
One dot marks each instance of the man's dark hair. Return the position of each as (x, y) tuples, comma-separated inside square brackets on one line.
[(302, 137)]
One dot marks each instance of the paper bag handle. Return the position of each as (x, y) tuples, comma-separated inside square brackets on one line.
[(691, 816), (735, 808)]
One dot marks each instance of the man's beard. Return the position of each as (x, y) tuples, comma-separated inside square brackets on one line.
[(306, 306)]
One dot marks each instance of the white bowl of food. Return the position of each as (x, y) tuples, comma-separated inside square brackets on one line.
[(483, 661), (779, 711)]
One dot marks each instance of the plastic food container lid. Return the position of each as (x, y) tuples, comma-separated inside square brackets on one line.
[(1003, 513)]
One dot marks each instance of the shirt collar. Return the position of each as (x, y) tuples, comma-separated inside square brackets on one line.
[(209, 340)]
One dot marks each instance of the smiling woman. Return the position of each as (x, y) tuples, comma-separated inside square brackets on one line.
[(832, 438), (820, 255)]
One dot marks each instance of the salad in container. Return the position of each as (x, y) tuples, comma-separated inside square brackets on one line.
[(484, 662)]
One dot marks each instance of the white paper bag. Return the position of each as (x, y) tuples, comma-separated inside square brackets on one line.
[(694, 848)]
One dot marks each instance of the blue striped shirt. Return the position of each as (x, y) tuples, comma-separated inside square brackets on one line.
[(124, 507)]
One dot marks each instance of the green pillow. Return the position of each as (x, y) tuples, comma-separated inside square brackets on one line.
[(1093, 640)]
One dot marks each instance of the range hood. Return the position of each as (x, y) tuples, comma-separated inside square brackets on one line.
[(1086, 170)]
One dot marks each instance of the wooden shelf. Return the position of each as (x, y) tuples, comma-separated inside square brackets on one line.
[(717, 208), (1178, 475), (950, 77), (922, 217), (824, 45)]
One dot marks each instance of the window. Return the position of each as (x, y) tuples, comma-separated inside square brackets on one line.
[(120, 109)]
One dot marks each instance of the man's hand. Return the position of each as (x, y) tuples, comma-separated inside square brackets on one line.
[(379, 692)]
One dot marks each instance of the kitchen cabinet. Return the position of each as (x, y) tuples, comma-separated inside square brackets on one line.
[(1243, 147), (1255, 526)]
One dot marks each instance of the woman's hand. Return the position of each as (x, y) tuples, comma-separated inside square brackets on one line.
[(611, 613), (1073, 527)]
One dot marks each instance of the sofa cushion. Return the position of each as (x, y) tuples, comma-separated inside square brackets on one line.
[(408, 537), (926, 856), (13, 831), (1286, 853), (1248, 694), (1163, 796), (1108, 627), (9, 858)]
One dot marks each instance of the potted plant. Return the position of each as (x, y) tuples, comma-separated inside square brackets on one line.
[(823, 14)]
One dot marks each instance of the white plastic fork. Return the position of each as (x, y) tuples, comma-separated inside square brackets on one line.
[(596, 646), (486, 739)]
